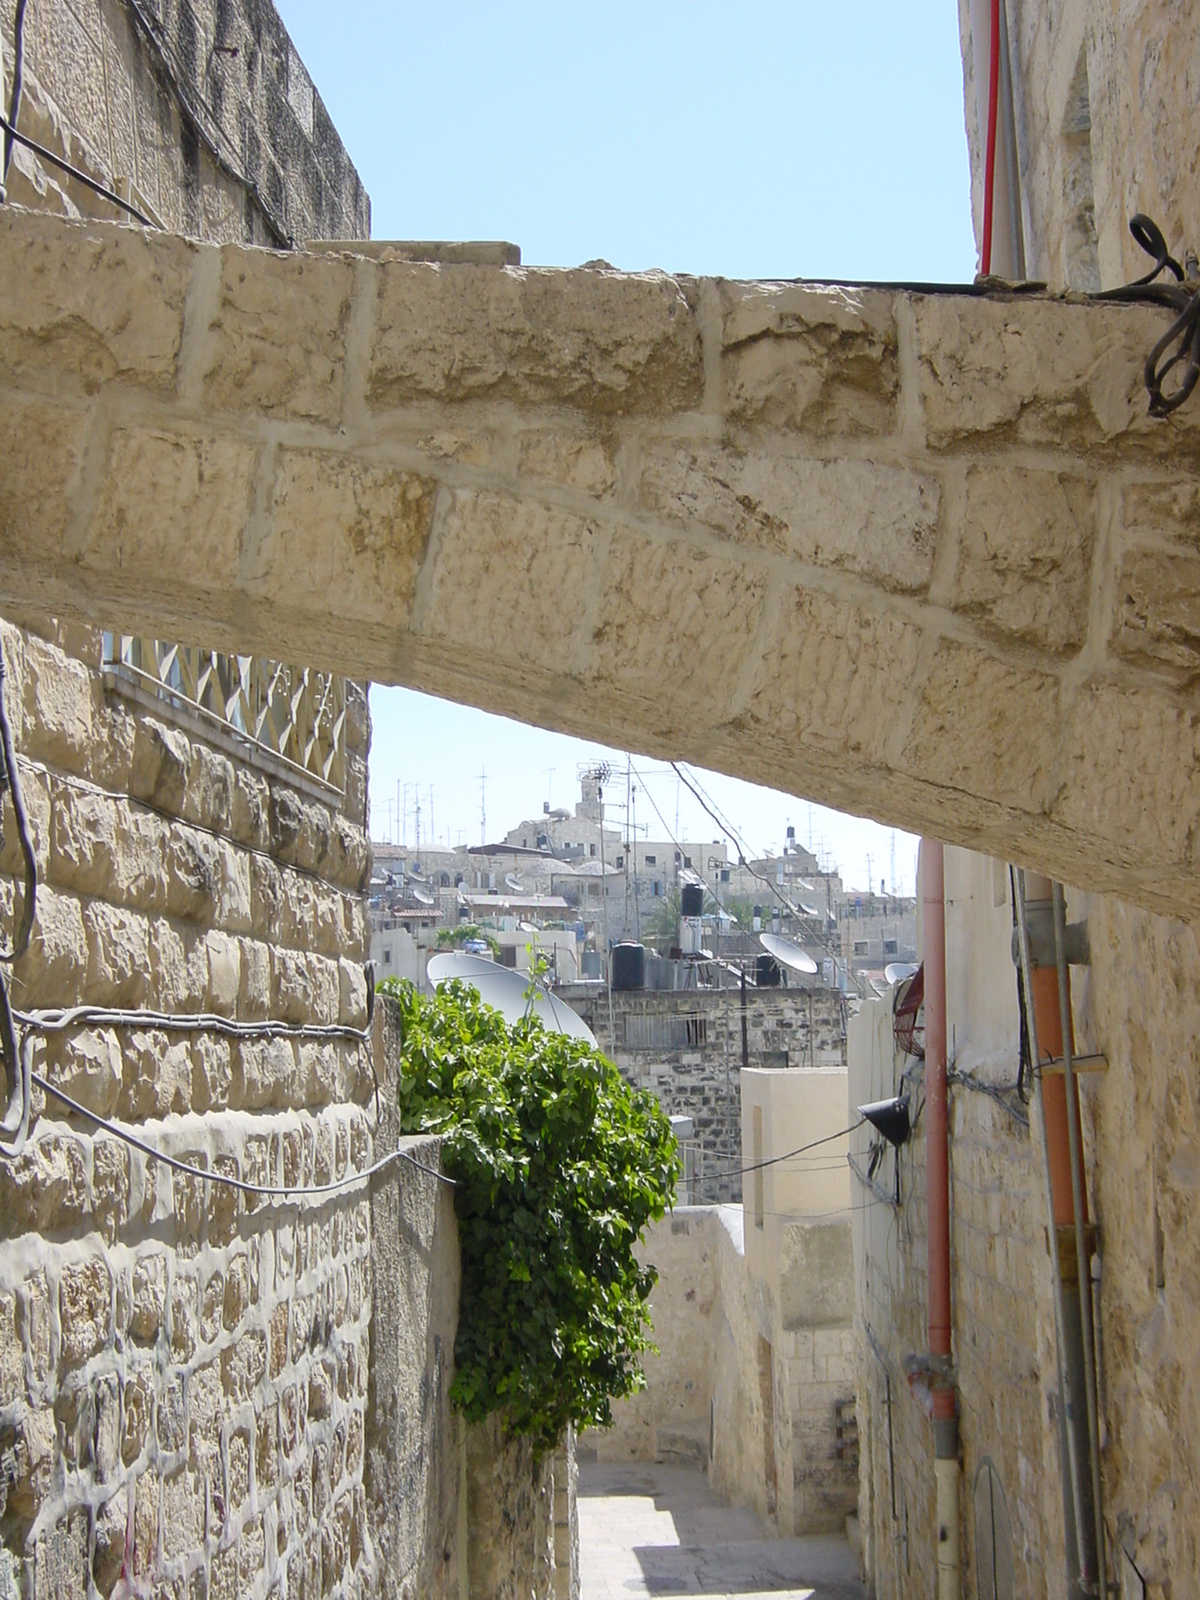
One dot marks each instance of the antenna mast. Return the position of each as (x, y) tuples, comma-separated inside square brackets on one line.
[(483, 805)]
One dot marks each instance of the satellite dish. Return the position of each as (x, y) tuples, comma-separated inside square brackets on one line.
[(514, 883), (787, 953), (512, 994), (457, 964), (422, 899), (897, 971)]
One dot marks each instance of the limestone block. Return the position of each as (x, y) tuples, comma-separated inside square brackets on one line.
[(208, 793), (94, 303), (831, 667), (306, 988), (149, 1297), (277, 344), (60, 1558), (45, 1187), (254, 992), (375, 524), (352, 990), (809, 356), (978, 761), (266, 898), (244, 1365), (860, 516), (107, 848), (44, 446), (87, 1066), (108, 1555), (224, 973), (249, 804), (183, 1325), (608, 343), (85, 1309), (166, 487), (264, 1073), (240, 1291), (57, 710), (578, 461), (1143, 752), (12, 1354), (498, 560), (161, 760), (156, 1074), (1035, 372), (709, 600), (233, 902), (110, 1187), (182, 1515), (178, 966), (237, 1480), (195, 874), (1157, 616), (1028, 575), (118, 955)]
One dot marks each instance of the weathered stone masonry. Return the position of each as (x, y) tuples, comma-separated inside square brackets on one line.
[(183, 1370), (913, 543)]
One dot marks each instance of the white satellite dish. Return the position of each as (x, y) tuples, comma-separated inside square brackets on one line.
[(512, 994), (897, 971), (786, 953), (514, 883)]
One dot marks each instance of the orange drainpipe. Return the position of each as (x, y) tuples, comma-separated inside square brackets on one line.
[(1048, 1017), (937, 1181)]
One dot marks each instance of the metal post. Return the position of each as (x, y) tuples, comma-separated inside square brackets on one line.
[(612, 1032), (1082, 1253), (1073, 1503)]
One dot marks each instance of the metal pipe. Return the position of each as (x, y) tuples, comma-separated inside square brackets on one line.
[(937, 1182), (1083, 1254), (1072, 1485)]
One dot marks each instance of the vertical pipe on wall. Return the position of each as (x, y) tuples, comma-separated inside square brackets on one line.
[(1050, 1025), (937, 1181)]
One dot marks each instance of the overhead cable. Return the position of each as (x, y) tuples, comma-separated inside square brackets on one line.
[(243, 1185)]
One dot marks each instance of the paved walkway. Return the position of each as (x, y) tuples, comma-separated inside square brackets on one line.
[(651, 1530)]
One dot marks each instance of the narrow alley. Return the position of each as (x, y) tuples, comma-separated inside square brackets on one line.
[(655, 1530)]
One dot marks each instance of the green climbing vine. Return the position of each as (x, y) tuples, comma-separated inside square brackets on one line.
[(559, 1165)]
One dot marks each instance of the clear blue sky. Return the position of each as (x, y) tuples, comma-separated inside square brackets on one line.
[(753, 140)]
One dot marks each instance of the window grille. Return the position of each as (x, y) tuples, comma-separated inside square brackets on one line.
[(292, 720)]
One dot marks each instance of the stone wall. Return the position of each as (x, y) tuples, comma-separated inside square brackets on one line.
[(1136, 1005), (186, 1368), (1105, 115), (747, 1382), (185, 1371), (199, 112), (686, 1045)]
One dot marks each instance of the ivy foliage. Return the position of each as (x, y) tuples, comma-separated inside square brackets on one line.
[(559, 1165)]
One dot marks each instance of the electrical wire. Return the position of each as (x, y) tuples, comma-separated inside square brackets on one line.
[(17, 1056), (243, 1185), (788, 1155), (726, 827), (11, 133), (1183, 297), (989, 176), (11, 779), (199, 120), (14, 104)]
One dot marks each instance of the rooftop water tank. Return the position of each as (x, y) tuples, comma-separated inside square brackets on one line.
[(629, 966)]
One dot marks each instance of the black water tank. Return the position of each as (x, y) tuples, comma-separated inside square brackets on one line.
[(629, 966), (691, 901), (766, 972)]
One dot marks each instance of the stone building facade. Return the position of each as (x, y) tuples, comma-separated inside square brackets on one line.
[(686, 1046), (184, 1368), (1103, 118)]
